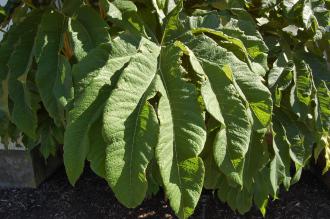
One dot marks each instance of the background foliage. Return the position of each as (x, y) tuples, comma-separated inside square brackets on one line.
[(230, 95)]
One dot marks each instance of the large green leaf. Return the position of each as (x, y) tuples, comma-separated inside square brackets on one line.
[(253, 91), (182, 135), (237, 198), (94, 79), (172, 25), (284, 145), (233, 143), (235, 26), (303, 89), (276, 170), (280, 77), (176, 98), (6, 49), (321, 77), (301, 140), (53, 77), (297, 83), (168, 66), (87, 30), (126, 16), (258, 148), (239, 23), (262, 189), (228, 85), (323, 96), (23, 113), (49, 139), (90, 96), (130, 125)]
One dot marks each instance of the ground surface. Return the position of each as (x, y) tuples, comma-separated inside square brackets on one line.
[(92, 198)]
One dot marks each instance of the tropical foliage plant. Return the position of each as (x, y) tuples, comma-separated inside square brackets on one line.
[(230, 95)]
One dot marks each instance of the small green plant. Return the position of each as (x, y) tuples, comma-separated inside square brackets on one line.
[(225, 95)]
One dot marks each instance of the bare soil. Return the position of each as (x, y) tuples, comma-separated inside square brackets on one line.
[(92, 198)]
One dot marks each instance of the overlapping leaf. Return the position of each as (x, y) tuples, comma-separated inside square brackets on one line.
[(22, 42), (182, 135), (177, 97), (53, 77), (87, 30)]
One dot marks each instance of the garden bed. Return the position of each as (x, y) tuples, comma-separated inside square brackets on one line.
[(93, 198)]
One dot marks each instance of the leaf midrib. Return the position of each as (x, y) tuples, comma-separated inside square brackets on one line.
[(174, 141)]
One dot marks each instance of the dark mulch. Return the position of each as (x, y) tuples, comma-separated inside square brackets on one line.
[(92, 198)]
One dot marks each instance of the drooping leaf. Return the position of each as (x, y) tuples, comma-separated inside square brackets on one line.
[(182, 135), (232, 144), (94, 79), (126, 16), (48, 141), (283, 143), (87, 31), (261, 104), (235, 89), (276, 171), (180, 96), (303, 89), (90, 95), (258, 148), (212, 172), (236, 198), (54, 70), (262, 190), (130, 126), (23, 113)]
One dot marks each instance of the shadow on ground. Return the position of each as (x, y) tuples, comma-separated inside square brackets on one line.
[(92, 198)]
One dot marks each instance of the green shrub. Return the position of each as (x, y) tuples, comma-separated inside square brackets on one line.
[(225, 95)]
